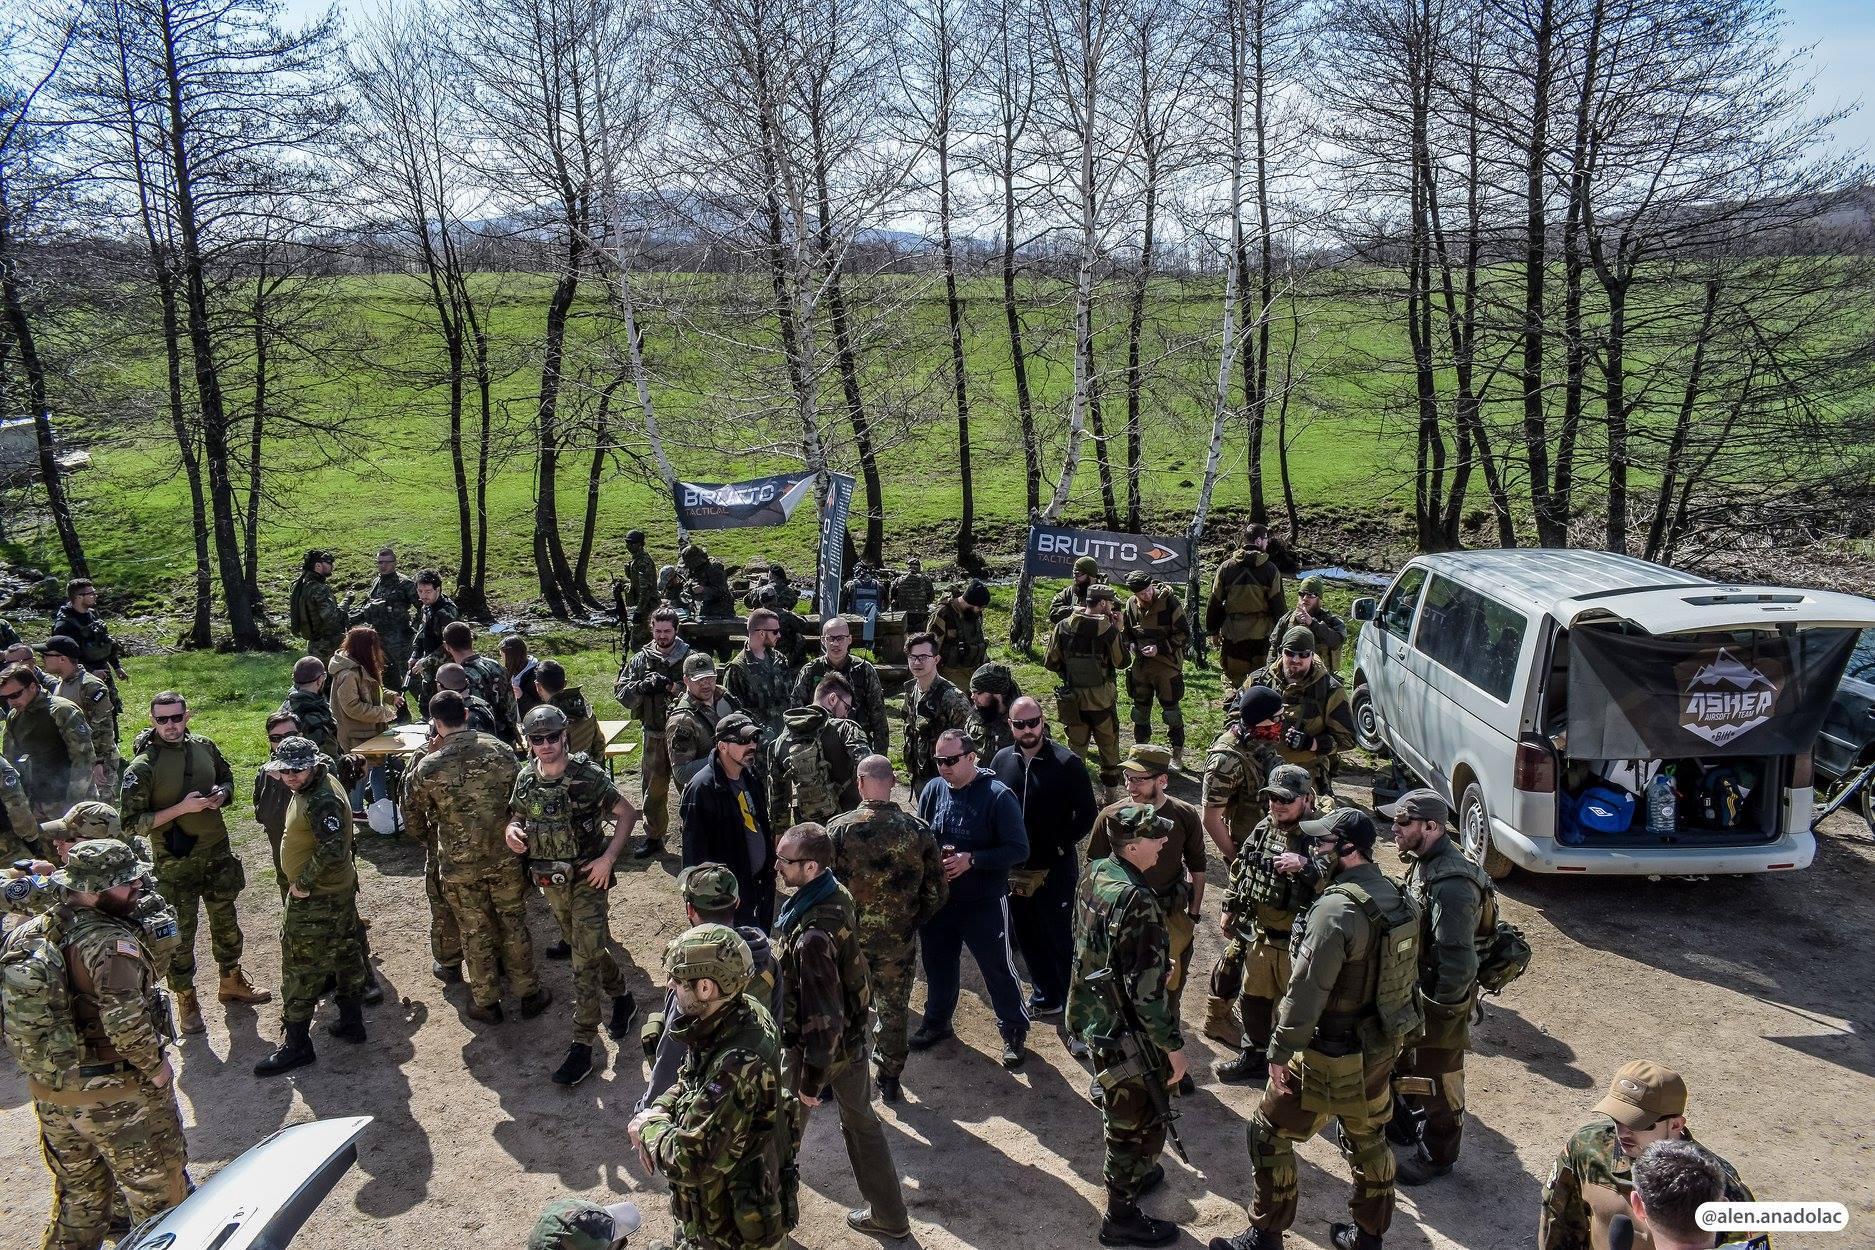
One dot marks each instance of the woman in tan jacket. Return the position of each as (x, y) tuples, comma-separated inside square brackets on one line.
[(360, 703)]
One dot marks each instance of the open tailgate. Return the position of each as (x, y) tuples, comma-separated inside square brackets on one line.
[(1701, 608)]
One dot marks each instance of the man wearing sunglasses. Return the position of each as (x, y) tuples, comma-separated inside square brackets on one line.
[(724, 817), (48, 740), (758, 678), (836, 658), (71, 682), (1317, 723), (978, 823)]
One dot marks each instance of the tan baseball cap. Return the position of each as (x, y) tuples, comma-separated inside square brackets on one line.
[(89, 819), (1643, 1092), (1148, 759)]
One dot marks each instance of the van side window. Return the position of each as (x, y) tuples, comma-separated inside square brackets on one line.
[(1396, 614), (1475, 637), (1862, 660)]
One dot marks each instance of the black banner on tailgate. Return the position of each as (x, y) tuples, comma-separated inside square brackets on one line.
[(1053, 549), (738, 505), (1633, 698)]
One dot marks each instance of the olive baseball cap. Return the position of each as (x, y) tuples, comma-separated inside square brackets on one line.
[(1346, 824), (98, 864), (1300, 638), (1148, 759), (710, 887), (295, 754), (1288, 782), (576, 1224), (1421, 804), (1100, 591), (1643, 1092), (1138, 579), (1087, 566), (699, 664), (738, 728), (89, 819), (715, 951)]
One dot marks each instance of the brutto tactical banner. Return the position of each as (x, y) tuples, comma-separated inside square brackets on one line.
[(1633, 698), (1053, 549), (739, 505)]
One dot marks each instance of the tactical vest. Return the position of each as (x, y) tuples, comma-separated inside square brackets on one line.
[(820, 772), (836, 917), (966, 646), (562, 824), (34, 736), (1376, 997), (1453, 863), (1086, 659), (183, 769), (1276, 898)]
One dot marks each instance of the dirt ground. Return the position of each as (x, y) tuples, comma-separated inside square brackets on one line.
[(1760, 990)]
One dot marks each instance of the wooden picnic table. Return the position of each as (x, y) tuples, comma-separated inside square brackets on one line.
[(397, 740), (611, 732)]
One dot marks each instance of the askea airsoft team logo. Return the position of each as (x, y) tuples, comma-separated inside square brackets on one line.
[(1725, 698)]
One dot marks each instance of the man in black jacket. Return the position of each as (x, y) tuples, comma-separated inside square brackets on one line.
[(1058, 810), (724, 815)]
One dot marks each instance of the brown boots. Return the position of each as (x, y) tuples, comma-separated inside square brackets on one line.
[(236, 988), (189, 1013)]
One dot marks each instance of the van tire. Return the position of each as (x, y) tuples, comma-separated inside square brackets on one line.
[(1366, 721), (1474, 834)]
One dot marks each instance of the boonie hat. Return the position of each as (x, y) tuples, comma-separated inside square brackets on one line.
[(1420, 804), (1300, 638), (715, 951), (89, 819), (98, 864), (699, 664), (576, 1224), (738, 728), (709, 887), (293, 754), (1643, 1092), (1345, 824), (1288, 782), (1148, 759)]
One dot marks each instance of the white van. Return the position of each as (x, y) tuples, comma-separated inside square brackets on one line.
[(1462, 673)]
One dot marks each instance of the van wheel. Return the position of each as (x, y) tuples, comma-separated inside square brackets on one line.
[(1474, 831), (1366, 722)]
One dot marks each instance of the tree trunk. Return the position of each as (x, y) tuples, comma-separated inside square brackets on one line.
[(256, 434), (1018, 358), (589, 527), (1615, 403), (966, 543), (1682, 427), (1136, 315), (1259, 403), (1552, 526), (556, 579)]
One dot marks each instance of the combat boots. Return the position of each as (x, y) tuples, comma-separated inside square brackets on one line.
[(1126, 1225), (535, 1003), (1220, 1020), (236, 988), (350, 1026), (1352, 1237), (624, 1007), (189, 1013), (576, 1067), (1249, 1067), (1251, 1238), (295, 1051)]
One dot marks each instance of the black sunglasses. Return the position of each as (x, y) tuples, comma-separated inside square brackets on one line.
[(1298, 655), (177, 719), (946, 761), (543, 739), (1027, 722)]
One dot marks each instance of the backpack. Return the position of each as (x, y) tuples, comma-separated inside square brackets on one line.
[(1396, 984), (819, 768), (1721, 799), (36, 1001), (1605, 809), (1504, 958)]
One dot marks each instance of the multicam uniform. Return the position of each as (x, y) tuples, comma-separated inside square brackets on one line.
[(641, 595), (456, 802), (913, 594), (1087, 652), (19, 826), (868, 694), (93, 697), (427, 647), (926, 717), (690, 733), (1317, 706), (99, 653), (489, 679), (812, 768), (1246, 598), (1590, 1182), (321, 939), (763, 688), (1160, 676), (645, 687), (894, 870)]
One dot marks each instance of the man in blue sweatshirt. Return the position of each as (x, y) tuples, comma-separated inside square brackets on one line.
[(978, 822)]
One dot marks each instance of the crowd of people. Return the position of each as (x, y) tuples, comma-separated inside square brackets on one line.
[(811, 896)]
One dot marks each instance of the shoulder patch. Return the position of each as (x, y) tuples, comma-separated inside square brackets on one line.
[(98, 692), (330, 824), (127, 947)]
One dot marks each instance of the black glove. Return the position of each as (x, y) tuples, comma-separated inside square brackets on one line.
[(1296, 740)]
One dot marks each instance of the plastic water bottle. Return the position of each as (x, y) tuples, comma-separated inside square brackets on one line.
[(1663, 805)]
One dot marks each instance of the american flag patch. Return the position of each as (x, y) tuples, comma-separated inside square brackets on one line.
[(127, 947)]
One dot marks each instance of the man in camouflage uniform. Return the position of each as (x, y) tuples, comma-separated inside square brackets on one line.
[(646, 686), (1120, 930), (690, 733), (894, 869), (435, 612), (20, 836), (932, 705), (1458, 915), (310, 709), (487, 677), (641, 589), (812, 765), (456, 804), (912, 593), (1153, 625), (958, 628), (391, 608), (271, 797), (1246, 598), (100, 1078), (776, 591), (583, 734), (1317, 722), (1350, 1004), (825, 998), (1331, 632), (454, 678), (836, 656), (321, 939), (721, 1135), (1087, 651), (1236, 766), (1272, 882), (1073, 597), (175, 790), (1593, 1175), (78, 618), (92, 697), (706, 585), (556, 816), (758, 678), (48, 740), (313, 611), (992, 690)]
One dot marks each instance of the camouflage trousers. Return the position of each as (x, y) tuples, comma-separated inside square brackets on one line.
[(1149, 682), (893, 962), (1134, 1131), (1100, 724), (133, 1140), (1438, 1118), (1283, 1119), (1241, 658), (320, 942), (490, 912), (445, 935), (654, 773), (191, 884), (583, 917)]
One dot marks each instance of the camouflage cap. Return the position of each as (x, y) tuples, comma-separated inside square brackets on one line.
[(1100, 592), (710, 887), (1300, 639), (913, 564), (576, 1224), (1087, 566), (699, 664), (1344, 824), (89, 819), (1148, 759), (59, 644), (737, 727), (715, 951), (98, 864), (1311, 585), (1642, 1093), (992, 678), (1141, 820), (1420, 804), (544, 719), (293, 754), (1138, 580), (1288, 782), (976, 594)]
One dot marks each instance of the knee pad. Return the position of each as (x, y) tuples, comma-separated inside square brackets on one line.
[(1268, 1148)]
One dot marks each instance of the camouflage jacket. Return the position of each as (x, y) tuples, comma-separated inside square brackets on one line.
[(893, 867), (960, 637), (564, 816), (1246, 597), (49, 742), (314, 714), (96, 648), (715, 1135), (1260, 902), (1160, 624), (119, 1010), (19, 828), (706, 590), (1236, 768), (641, 578), (649, 682), (391, 607), (489, 679), (456, 799), (314, 613), (1317, 705), (1590, 1182), (912, 592), (812, 768), (926, 716), (825, 987), (92, 697), (764, 687), (160, 774), (690, 733), (989, 732), (868, 694), (582, 727), (1120, 924), (1330, 631), (1086, 651), (1067, 601)]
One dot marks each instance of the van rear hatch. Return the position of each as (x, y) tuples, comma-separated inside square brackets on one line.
[(1708, 607)]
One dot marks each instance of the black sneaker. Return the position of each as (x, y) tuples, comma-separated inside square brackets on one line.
[(1135, 1228), (1041, 1008), (648, 848), (1014, 1054), (448, 974), (926, 1037), (535, 1003), (889, 1089), (576, 1067), (1350, 1237), (562, 949), (624, 1007), (1249, 1239)]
